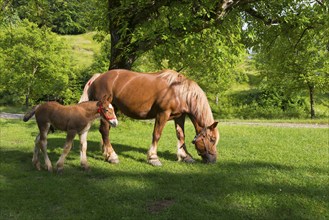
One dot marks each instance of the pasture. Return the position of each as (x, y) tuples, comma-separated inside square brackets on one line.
[(263, 172)]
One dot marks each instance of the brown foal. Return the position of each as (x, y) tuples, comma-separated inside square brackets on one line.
[(74, 119)]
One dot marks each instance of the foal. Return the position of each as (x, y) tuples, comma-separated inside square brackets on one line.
[(74, 119)]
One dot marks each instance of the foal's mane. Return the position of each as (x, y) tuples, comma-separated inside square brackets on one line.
[(190, 92)]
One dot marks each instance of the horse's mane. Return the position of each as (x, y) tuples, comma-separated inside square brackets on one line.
[(191, 92)]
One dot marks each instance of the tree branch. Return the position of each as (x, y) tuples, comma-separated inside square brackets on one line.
[(267, 21), (302, 35)]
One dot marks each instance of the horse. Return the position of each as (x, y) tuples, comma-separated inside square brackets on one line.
[(162, 96), (74, 119)]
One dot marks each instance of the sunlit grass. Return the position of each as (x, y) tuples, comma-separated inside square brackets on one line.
[(262, 173), (83, 48)]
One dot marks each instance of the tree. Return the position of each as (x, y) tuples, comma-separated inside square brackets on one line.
[(136, 27), (34, 64), (63, 17), (294, 54)]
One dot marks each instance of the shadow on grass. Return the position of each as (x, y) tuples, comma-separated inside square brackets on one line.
[(226, 190), (55, 148)]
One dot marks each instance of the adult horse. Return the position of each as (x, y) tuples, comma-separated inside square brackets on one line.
[(163, 95)]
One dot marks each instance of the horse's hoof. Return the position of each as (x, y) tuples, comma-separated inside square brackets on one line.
[(155, 163), (114, 161), (59, 170), (86, 168), (37, 165), (188, 160), (48, 168)]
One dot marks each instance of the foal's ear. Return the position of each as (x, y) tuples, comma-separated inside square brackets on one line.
[(214, 125)]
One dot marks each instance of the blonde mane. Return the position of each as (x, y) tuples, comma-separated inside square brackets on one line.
[(194, 96)]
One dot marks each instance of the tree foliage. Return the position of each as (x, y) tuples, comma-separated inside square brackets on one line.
[(34, 64), (63, 17), (293, 55)]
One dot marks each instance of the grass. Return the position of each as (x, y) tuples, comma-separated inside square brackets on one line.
[(262, 173), (83, 48)]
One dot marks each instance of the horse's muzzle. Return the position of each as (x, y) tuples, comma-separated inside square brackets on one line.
[(114, 122), (209, 158)]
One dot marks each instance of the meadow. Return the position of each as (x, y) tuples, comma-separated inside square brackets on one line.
[(262, 172)]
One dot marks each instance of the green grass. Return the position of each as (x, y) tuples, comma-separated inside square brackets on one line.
[(262, 173), (83, 48)]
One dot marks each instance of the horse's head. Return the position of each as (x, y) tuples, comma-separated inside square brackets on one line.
[(106, 110), (205, 143)]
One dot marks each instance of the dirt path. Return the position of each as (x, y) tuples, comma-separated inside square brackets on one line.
[(273, 124), (278, 124), (10, 115)]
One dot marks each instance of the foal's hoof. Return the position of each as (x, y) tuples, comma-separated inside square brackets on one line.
[(37, 165), (59, 170), (48, 168), (155, 162), (85, 168)]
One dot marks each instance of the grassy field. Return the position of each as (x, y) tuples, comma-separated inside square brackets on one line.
[(83, 48), (262, 173)]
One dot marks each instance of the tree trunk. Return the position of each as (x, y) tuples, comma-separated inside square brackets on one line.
[(27, 101), (311, 90), (121, 57)]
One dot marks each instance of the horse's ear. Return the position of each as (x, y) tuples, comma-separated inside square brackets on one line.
[(214, 125), (109, 98)]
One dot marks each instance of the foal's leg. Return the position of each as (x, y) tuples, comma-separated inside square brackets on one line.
[(159, 124), (182, 153), (67, 147), (107, 148), (35, 159), (83, 150), (41, 141)]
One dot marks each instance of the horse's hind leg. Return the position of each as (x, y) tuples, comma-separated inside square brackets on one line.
[(107, 148), (67, 147), (182, 153), (43, 147), (35, 159)]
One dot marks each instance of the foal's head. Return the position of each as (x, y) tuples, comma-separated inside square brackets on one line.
[(206, 141), (106, 110)]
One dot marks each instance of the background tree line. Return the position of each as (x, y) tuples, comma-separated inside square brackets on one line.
[(278, 48)]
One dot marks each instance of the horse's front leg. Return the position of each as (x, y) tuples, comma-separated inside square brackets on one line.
[(67, 147), (107, 148), (159, 124), (182, 153), (83, 150)]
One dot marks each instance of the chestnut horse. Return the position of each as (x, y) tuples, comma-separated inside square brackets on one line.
[(74, 119), (163, 95)]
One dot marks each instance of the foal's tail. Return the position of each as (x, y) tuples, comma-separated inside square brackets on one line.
[(84, 96), (30, 113)]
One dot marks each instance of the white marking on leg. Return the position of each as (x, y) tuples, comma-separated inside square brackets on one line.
[(181, 154), (35, 159), (43, 144), (83, 150)]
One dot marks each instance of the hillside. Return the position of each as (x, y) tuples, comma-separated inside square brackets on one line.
[(83, 48)]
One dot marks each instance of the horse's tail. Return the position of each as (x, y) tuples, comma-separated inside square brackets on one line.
[(30, 113), (85, 95)]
